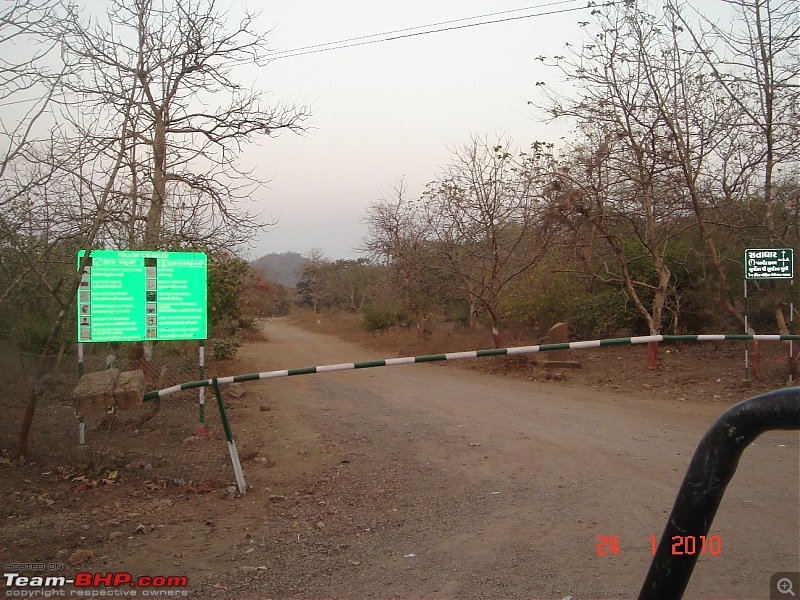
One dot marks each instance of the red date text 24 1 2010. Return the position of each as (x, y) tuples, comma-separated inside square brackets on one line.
[(687, 544)]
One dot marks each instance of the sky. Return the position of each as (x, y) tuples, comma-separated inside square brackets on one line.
[(392, 110)]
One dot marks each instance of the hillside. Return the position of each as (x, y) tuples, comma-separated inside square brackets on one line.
[(282, 268)]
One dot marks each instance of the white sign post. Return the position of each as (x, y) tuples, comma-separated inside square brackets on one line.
[(768, 263)]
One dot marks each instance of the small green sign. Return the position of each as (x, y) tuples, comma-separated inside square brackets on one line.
[(128, 296), (769, 263)]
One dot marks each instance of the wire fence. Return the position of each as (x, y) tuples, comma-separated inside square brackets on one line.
[(160, 440)]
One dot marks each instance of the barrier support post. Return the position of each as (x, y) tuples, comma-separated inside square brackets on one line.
[(237, 466), (746, 344)]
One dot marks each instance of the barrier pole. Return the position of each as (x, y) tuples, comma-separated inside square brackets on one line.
[(747, 331), (390, 362)]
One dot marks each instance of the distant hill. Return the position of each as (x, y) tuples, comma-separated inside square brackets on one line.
[(281, 268)]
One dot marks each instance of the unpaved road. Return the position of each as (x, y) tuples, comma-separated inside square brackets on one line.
[(429, 481), (418, 481)]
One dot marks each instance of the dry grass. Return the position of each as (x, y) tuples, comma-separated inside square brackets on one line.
[(400, 341)]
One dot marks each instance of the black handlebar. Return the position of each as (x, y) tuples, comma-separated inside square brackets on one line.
[(710, 471)]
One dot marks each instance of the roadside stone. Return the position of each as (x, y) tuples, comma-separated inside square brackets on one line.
[(236, 390), (265, 408), (559, 334), (80, 556), (129, 389), (95, 391)]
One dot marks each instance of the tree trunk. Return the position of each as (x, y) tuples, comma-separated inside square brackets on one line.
[(498, 342), (159, 195), (653, 361)]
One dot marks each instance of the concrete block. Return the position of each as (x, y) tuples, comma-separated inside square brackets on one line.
[(559, 334), (95, 391), (129, 390)]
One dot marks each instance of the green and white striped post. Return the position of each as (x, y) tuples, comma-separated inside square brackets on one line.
[(81, 370), (81, 421), (202, 428), (237, 466)]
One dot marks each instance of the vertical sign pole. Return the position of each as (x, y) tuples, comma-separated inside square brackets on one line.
[(746, 331), (202, 428), (202, 359), (80, 360), (791, 330), (81, 423)]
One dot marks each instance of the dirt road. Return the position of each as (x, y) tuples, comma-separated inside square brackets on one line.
[(416, 481), (428, 481)]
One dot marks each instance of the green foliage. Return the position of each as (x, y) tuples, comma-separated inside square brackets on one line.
[(278, 303), (378, 318), (542, 300), (32, 332), (381, 318), (263, 298), (403, 318), (30, 311), (600, 314), (224, 348), (455, 311), (226, 279), (340, 285)]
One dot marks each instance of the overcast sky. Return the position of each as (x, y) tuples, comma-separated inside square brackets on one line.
[(393, 109)]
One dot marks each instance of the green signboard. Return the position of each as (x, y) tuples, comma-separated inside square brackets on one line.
[(769, 263), (128, 296)]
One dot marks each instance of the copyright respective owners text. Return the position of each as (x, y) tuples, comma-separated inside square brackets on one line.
[(53, 580), (784, 585)]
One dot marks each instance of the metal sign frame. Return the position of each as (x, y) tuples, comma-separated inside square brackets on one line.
[(769, 263), (130, 296)]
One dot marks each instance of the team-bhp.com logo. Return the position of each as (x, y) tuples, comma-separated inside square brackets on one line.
[(88, 585)]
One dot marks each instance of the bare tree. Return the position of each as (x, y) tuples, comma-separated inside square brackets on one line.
[(30, 74), (28, 79), (312, 275), (756, 68), (183, 182), (486, 214), (618, 178), (397, 238)]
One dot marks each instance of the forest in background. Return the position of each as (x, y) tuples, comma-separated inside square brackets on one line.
[(683, 152)]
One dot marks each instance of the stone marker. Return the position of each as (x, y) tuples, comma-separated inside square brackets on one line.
[(95, 391), (130, 388), (236, 390), (559, 334)]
